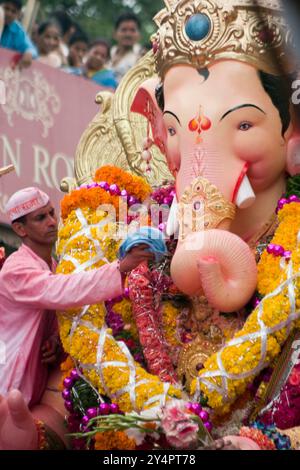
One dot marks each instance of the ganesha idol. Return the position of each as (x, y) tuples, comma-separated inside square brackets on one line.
[(220, 112), (213, 100)]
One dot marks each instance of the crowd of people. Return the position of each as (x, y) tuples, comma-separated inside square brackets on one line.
[(60, 42)]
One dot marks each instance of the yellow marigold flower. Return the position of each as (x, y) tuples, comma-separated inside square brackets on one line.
[(124, 309), (170, 316), (66, 368)]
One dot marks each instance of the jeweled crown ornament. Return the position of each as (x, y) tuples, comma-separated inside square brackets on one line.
[(200, 32)]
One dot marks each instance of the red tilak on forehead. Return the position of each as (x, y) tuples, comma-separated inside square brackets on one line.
[(199, 124)]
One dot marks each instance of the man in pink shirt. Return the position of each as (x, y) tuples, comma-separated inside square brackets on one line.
[(30, 293)]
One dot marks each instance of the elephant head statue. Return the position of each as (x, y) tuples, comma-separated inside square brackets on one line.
[(220, 112)]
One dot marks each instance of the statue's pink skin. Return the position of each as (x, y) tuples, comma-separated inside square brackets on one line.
[(223, 267), (217, 263)]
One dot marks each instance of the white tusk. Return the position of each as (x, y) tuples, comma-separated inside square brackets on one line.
[(245, 196), (172, 224)]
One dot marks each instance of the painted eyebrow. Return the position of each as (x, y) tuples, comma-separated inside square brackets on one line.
[(174, 115), (240, 107)]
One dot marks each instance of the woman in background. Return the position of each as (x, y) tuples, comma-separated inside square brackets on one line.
[(48, 40)]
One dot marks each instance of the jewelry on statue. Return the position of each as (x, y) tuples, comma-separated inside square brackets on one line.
[(202, 207), (193, 356), (147, 144)]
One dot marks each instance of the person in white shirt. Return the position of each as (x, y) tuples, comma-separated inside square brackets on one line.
[(128, 51)]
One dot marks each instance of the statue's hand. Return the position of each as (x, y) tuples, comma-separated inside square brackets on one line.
[(17, 427)]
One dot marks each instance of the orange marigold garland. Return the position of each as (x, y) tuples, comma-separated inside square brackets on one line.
[(66, 367), (135, 185), (259, 437), (94, 195)]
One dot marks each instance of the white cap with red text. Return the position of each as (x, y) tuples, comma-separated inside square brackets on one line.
[(24, 202)]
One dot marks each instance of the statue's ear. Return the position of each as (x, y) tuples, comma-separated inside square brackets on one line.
[(293, 155), (145, 103)]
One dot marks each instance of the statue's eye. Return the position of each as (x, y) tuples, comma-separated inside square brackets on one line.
[(245, 126), (171, 131)]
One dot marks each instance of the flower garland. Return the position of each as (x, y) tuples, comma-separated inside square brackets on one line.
[(66, 367), (120, 319), (171, 328), (134, 188), (266, 437), (257, 436), (177, 425), (123, 309), (148, 324), (285, 409), (227, 373), (82, 240), (134, 185), (163, 196)]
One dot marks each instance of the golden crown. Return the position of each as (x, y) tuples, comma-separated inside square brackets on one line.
[(200, 32)]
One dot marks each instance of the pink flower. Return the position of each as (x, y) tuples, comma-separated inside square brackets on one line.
[(178, 426), (294, 378)]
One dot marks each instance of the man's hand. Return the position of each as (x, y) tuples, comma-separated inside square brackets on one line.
[(25, 61), (51, 350), (17, 428), (135, 257), (233, 443)]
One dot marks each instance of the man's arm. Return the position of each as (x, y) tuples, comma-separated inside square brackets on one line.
[(43, 289), (38, 288)]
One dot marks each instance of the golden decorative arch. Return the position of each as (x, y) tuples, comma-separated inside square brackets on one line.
[(115, 135)]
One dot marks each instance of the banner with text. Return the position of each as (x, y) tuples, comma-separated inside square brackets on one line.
[(43, 113)]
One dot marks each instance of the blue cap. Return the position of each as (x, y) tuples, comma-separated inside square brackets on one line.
[(148, 236)]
